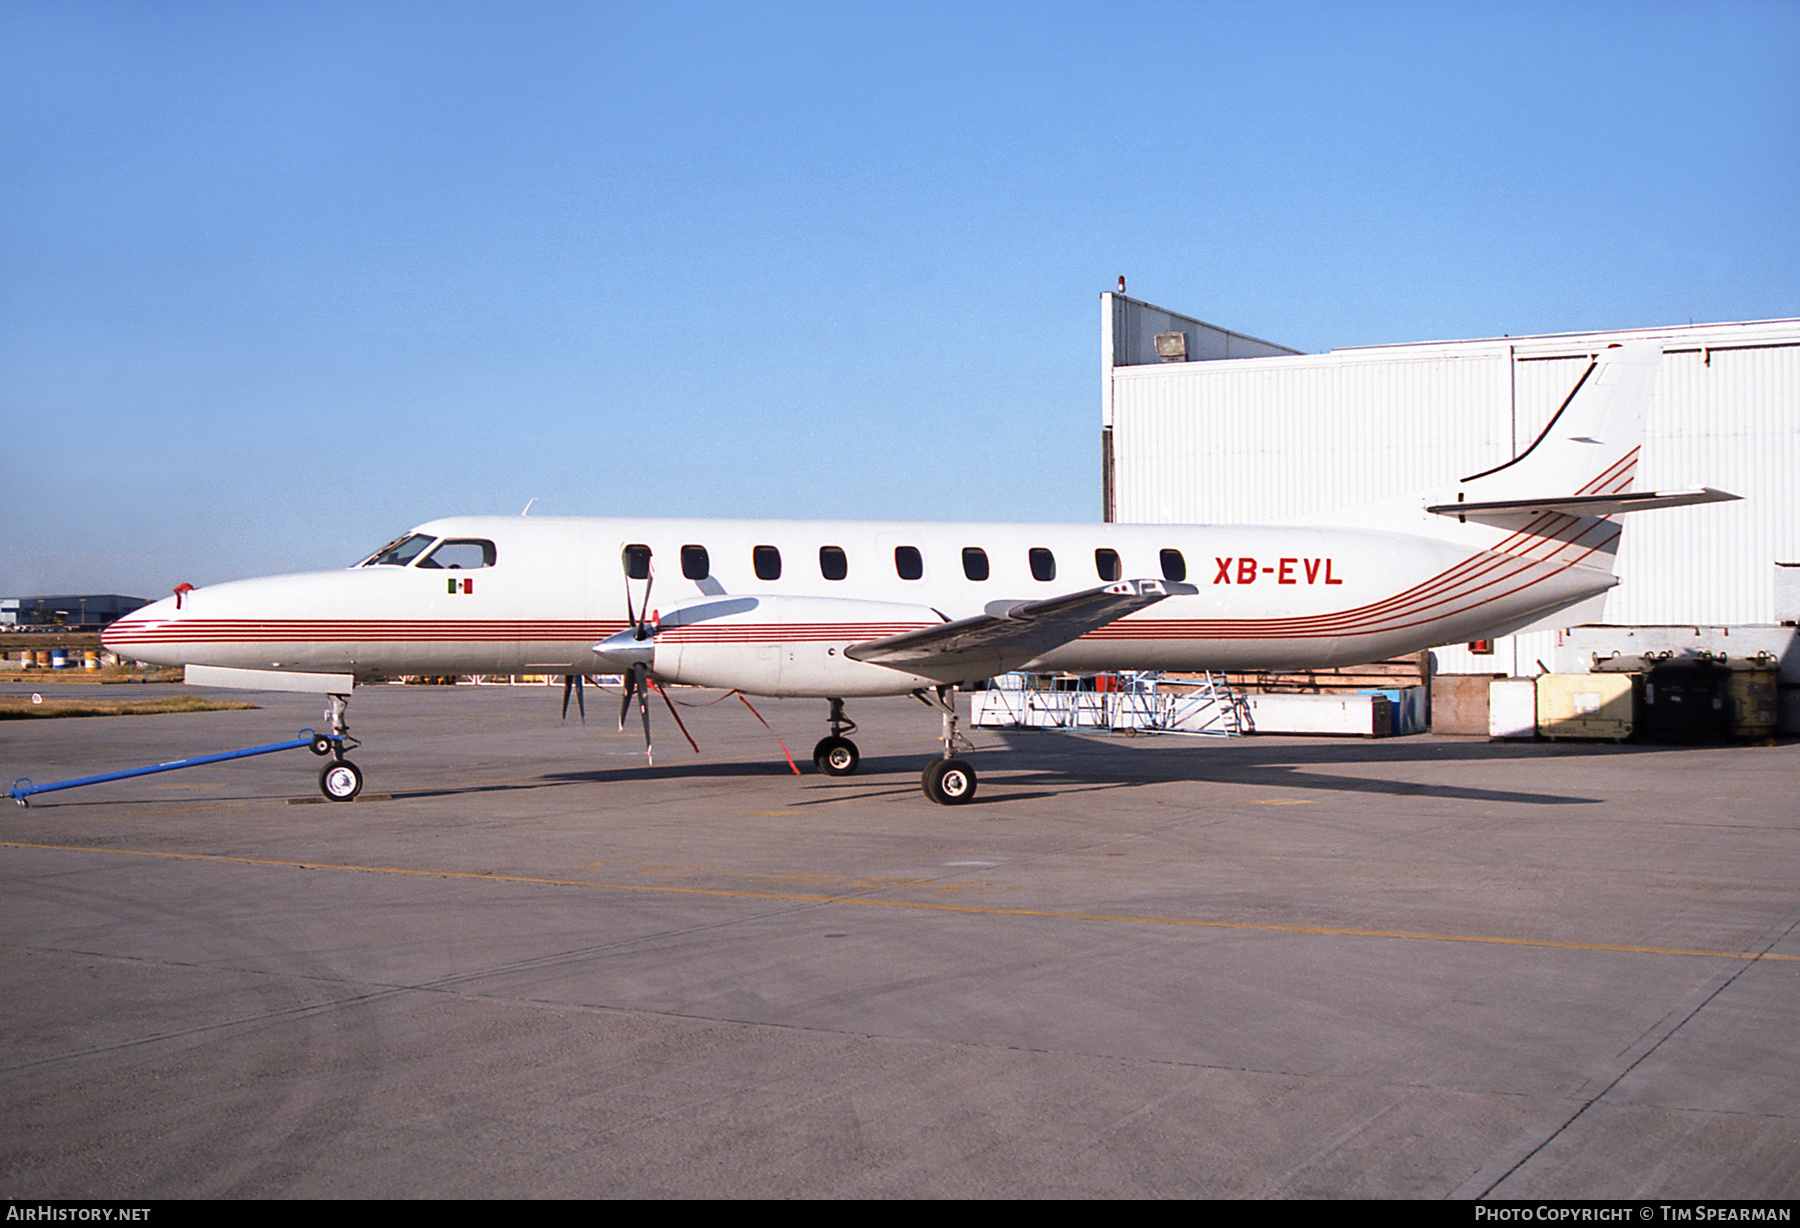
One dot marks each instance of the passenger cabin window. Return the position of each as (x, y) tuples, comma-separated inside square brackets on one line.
[(832, 563), (694, 563), (461, 554), (767, 561), (636, 560), (908, 564), (1106, 562), (402, 552), (1173, 565), (1043, 564), (975, 563)]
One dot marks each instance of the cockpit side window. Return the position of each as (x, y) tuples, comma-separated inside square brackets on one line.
[(400, 553), (460, 554)]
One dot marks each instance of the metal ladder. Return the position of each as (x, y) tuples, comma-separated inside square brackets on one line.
[(1221, 711)]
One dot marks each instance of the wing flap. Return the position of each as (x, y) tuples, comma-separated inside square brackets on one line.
[(1011, 633)]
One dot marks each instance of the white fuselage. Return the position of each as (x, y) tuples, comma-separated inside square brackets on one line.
[(548, 590)]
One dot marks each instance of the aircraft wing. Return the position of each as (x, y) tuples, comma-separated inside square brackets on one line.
[(1011, 633)]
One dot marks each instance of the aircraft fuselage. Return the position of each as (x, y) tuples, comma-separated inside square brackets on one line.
[(506, 595)]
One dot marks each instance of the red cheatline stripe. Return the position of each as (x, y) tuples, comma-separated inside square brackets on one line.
[(789, 633), (1538, 535), (1535, 536), (201, 630), (1625, 465), (1173, 630)]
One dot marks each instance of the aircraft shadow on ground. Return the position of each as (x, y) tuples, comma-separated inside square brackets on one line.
[(1033, 764), (1037, 765)]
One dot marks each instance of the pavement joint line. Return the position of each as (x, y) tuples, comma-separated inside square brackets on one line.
[(1482, 1185), (923, 906)]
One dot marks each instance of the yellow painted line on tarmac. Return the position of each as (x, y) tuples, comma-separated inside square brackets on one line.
[(1047, 914)]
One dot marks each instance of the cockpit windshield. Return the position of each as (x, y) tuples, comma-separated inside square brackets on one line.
[(400, 552)]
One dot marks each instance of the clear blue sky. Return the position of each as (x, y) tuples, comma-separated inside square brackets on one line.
[(279, 280)]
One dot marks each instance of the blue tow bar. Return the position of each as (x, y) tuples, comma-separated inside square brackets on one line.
[(346, 785)]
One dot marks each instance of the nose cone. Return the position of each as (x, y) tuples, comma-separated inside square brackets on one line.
[(618, 653), (145, 634)]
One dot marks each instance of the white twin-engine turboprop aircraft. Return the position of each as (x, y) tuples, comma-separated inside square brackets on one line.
[(837, 610)]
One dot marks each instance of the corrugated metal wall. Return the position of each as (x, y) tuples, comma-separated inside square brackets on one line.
[(1728, 418), (1268, 439), (1279, 438)]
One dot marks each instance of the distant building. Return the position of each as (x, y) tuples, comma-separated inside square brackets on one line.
[(1204, 426), (81, 611)]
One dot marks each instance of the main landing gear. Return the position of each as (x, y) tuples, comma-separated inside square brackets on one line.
[(340, 780), (837, 755), (948, 781)]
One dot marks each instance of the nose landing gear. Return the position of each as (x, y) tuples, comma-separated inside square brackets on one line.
[(340, 780), (837, 755)]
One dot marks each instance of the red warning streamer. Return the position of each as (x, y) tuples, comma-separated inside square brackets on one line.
[(765, 725)]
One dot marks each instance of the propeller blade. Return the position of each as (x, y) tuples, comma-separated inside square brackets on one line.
[(568, 682), (643, 623), (642, 674), (580, 701), (625, 706)]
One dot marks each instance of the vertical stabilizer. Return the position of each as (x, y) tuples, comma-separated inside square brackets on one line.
[(1591, 445), (1549, 509)]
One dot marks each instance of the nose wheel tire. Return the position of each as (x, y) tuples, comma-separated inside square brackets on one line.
[(836, 756), (949, 782), (340, 781)]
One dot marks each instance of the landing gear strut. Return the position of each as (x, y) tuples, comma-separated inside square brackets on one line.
[(949, 781), (340, 780), (837, 755)]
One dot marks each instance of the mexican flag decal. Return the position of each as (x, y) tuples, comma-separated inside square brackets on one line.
[(461, 586)]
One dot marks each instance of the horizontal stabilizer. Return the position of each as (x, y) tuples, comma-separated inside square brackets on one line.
[(1584, 505), (1011, 633)]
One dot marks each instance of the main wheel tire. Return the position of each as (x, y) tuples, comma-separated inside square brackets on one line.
[(836, 756), (340, 781), (949, 782)]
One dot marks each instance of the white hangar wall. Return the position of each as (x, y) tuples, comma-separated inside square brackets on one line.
[(1298, 437)]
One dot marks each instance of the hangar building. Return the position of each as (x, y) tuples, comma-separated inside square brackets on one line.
[(1201, 425)]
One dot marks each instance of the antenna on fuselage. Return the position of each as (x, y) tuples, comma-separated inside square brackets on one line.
[(528, 504)]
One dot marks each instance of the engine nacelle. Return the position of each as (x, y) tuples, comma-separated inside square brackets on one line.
[(783, 645)]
